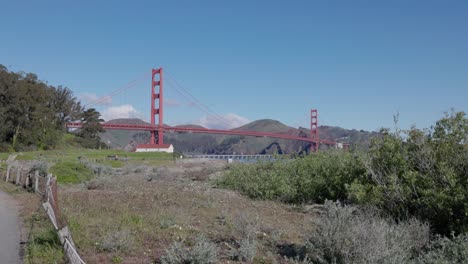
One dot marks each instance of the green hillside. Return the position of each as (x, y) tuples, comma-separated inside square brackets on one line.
[(265, 125), (223, 144)]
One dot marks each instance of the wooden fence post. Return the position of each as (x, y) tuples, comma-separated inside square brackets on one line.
[(49, 176), (18, 174), (54, 203), (26, 184), (36, 181), (8, 173)]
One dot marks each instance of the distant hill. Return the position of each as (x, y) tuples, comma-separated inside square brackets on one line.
[(190, 126), (358, 138), (266, 125), (224, 144), (128, 121)]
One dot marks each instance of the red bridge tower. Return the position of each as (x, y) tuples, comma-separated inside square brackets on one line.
[(314, 135), (157, 106), (157, 110)]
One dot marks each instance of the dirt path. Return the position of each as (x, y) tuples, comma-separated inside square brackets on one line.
[(9, 230)]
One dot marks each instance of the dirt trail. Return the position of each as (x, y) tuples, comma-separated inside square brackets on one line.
[(9, 230)]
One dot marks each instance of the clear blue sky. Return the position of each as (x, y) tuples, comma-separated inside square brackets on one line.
[(358, 62)]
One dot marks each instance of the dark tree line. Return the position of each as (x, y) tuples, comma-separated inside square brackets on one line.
[(32, 113)]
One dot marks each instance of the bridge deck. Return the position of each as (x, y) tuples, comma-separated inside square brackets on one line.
[(203, 130), (234, 157)]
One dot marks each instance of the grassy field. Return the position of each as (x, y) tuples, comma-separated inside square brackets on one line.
[(71, 166), (97, 155), (135, 216), (4, 156), (78, 165), (142, 213), (150, 208)]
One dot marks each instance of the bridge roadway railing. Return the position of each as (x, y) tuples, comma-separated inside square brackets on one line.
[(227, 157)]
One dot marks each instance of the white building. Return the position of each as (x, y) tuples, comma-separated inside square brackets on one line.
[(155, 148)]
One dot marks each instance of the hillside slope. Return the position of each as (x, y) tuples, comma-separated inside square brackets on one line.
[(224, 144)]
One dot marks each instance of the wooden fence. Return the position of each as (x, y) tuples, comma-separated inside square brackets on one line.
[(47, 188)]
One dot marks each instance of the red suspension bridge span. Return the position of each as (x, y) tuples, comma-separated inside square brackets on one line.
[(157, 126)]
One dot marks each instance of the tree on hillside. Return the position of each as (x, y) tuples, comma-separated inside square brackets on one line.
[(66, 107), (91, 128), (33, 113)]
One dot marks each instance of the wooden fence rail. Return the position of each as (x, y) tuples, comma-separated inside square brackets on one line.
[(47, 188)]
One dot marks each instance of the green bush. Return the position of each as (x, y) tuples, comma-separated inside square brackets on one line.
[(313, 178), (420, 173), (71, 172), (412, 173)]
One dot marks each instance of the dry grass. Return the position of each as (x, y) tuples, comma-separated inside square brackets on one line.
[(134, 216)]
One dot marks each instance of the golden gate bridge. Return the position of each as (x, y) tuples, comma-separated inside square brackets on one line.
[(157, 128)]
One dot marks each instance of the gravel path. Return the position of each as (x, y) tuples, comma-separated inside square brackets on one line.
[(9, 231)]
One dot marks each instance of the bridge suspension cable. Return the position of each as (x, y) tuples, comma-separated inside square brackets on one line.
[(192, 99), (120, 89), (199, 107)]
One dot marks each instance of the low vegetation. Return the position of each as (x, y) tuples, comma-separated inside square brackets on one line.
[(308, 179), (171, 214), (345, 234), (405, 175), (403, 200), (202, 252), (43, 244), (446, 250), (71, 172), (414, 173)]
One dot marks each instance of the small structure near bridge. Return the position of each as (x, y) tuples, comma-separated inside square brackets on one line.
[(168, 148)]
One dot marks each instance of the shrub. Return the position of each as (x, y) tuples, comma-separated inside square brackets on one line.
[(177, 253), (5, 147), (202, 252), (420, 173), (345, 234), (120, 241), (245, 227), (313, 178), (297, 260), (97, 169), (247, 249), (42, 167), (98, 183), (444, 250)]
